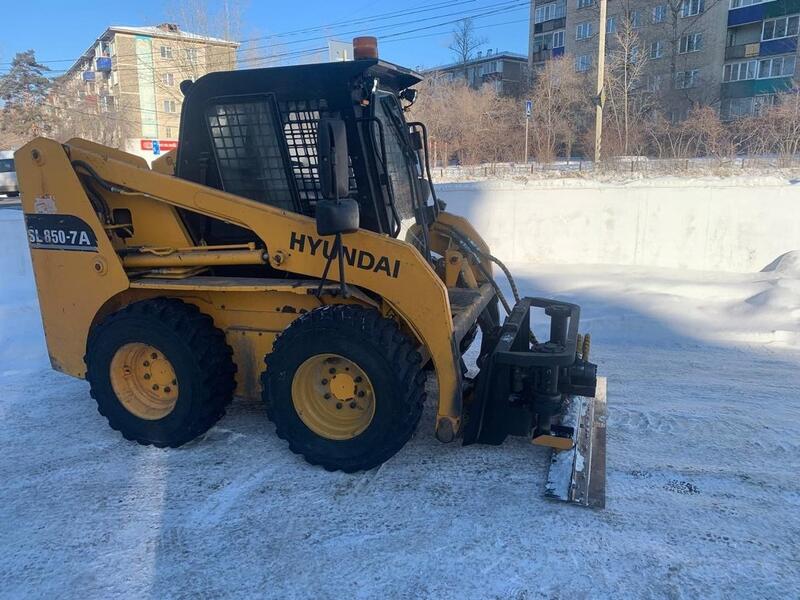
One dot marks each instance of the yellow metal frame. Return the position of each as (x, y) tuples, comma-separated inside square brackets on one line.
[(78, 288)]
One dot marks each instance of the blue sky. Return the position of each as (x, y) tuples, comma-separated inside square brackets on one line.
[(60, 30)]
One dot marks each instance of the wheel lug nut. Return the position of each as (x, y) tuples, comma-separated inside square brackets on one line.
[(358, 379), (338, 405), (324, 382), (154, 356), (155, 387), (327, 396), (174, 382), (146, 363), (331, 370), (353, 405), (167, 390), (361, 393), (147, 375)]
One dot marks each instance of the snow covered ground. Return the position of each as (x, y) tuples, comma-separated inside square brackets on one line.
[(703, 461)]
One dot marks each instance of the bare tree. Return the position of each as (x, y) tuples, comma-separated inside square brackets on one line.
[(708, 135), (560, 108), (465, 41), (627, 100), (782, 124)]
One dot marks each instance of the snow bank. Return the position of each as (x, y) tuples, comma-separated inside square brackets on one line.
[(734, 224), (786, 264), (22, 344)]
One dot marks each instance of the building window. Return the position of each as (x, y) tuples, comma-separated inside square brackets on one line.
[(783, 27), (678, 115), (166, 52), (547, 41), (690, 8), (583, 30), (106, 104), (654, 83), (168, 132), (741, 3), (169, 106), (659, 13), (740, 71), (763, 101), (635, 18), (686, 79), (550, 11), (583, 62), (634, 57), (656, 50), (611, 25), (191, 54), (584, 3), (691, 43), (168, 79), (778, 66)]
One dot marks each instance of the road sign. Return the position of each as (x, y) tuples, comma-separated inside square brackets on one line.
[(528, 107)]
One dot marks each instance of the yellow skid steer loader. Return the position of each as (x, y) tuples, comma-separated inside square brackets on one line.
[(293, 248)]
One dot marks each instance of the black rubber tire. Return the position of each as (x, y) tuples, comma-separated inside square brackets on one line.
[(201, 359), (376, 345)]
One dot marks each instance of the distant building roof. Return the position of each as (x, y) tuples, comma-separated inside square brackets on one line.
[(492, 55), (168, 30), (165, 30)]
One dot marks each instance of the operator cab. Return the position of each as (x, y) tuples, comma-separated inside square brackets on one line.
[(253, 133)]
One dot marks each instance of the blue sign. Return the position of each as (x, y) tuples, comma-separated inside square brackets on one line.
[(528, 107), (156, 148)]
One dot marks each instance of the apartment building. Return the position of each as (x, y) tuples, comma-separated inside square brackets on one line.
[(732, 54), (760, 54), (505, 71), (125, 89)]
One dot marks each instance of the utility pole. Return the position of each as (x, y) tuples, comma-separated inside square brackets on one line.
[(528, 106), (601, 94)]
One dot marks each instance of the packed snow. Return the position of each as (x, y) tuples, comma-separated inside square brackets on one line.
[(703, 495)]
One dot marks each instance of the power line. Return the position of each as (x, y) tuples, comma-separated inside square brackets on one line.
[(479, 12)]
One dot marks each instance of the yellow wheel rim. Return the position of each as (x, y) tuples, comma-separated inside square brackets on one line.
[(333, 396), (144, 381)]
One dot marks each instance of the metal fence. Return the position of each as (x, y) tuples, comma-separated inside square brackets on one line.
[(634, 165)]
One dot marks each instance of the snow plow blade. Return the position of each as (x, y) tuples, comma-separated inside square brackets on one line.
[(548, 392), (578, 475)]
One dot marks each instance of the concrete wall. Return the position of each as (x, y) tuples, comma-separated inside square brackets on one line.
[(696, 225)]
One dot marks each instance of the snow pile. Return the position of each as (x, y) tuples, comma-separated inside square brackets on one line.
[(787, 264), (21, 335), (734, 225)]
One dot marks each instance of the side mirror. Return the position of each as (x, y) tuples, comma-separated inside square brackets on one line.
[(332, 158), (337, 216)]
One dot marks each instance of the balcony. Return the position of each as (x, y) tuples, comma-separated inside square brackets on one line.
[(550, 25), (755, 87), (742, 51), (88, 75), (746, 14), (781, 46), (104, 64)]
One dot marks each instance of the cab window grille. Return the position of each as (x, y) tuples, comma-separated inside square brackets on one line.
[(248, 152), (300, 121)]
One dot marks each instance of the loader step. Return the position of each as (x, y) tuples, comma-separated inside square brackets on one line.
[(578, 475)]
